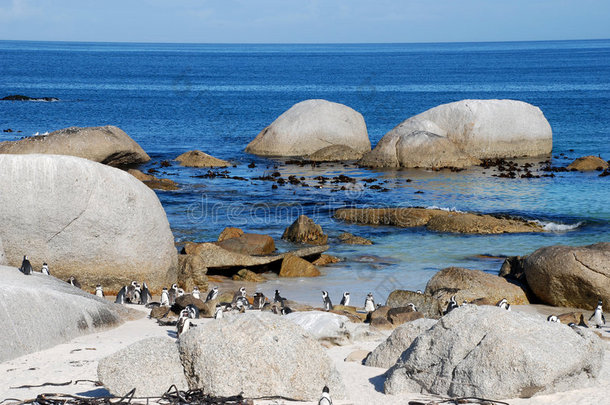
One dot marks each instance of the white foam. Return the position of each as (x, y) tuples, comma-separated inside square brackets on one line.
[(452, 209), (555, 227)]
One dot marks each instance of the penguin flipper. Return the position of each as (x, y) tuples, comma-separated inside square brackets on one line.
[(591, 317)]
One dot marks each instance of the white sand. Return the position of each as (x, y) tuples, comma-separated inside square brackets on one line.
[(78, 359)]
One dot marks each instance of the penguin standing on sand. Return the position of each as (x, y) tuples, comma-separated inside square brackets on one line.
[(196, 293), (184, 322), (504, 304), (325, 398), (598, 316), (45, 269), (369, 303), (26, 266), (212, 294), (218, 312), (164, 297), (173, 293), (277, 297), (328, 305), (99, 291), (451, 305), (345, 299), (145, 295), (120, 297), (259, 300)]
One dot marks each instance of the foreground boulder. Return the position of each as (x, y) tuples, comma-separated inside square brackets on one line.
[(84, 219), (108, 145), (274, 356), (41, 311), (588, 163), (197, 158), (310, 126), (151, 366), (437, 220), (388, 353), (475, 129), (467, 354), (568, 276), (324, 326), (471, 285), (305, 230)]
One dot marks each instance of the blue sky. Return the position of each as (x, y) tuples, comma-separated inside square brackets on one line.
[(299, 21)]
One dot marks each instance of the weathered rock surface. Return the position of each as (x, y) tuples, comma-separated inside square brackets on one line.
[(275, 357), (40, 311), (335, 153), (192, 272), (350, 239), (325, 260), (197, 158), (108, 145), (437, 220), (309, 126), (570, 276), (153, 182), (249, 276), (294, 266), (470, 285), (429, 306), (467, 354), (388, 353), (588, 163), (305, 230), (229, 232), (95, 222), (3, 261), (249, 244), (477, 129), (325, 327), (150, 366), (398, 316)]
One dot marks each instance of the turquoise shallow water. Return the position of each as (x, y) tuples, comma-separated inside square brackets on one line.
[(172, 98)]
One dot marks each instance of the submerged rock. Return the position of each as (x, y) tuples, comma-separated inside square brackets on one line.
[(19, 97), (350, 239), (570, 276), (305, 230), (197, 158), (325, 260), (108, 145), (310, 126), (467, 354), (274, 356), (588, 163), (153, 182)]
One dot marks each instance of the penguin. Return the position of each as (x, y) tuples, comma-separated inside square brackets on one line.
[(26, 266), (164, 297), (120, 297), (184, 322), (130, 292), (145, 296), (325, 398), (239, 294), (451, 305), (259, 300), (328, 305), (345, 299), (369, 303), (74, 282), (286, 311), (218, 312), (464, 303), (598, 316), (193, 311), (45, 269), (98, 291), (196, 293), (179, 292), (504, 304), (412, 306), (212, 294), (172, 294), (277, 297), (418, 292), (553, 318)]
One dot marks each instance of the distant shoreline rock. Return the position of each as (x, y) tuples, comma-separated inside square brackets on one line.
[(19, 97), (197, 158)]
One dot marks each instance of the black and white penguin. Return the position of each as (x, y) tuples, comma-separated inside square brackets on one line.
[(419, 292), (145, 295), (165, 297), (598, 316), (212, 294), (412, 306), (345, 299), (553, 318), (196, 293), (328, 305), (193, 311), (504, 304), (325, 398), (45, 269), (179, 292), (26, 266), (369, 303), (241, 293), (286, 311), (277, 297), (99, 291), (130, 293), (451, 305), (73, 282), (184, 322), (218, 312), (173, 293), (259, 300), (120, 297), (464, 303)]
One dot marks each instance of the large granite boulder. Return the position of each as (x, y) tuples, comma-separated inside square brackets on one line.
[(467, 354), (324, 326), (197, 158), (151, 366), (273, 356), (388, 352), (305, 230), (249, 244), (470, 285), (335, 153), (309, 126), (294, 266), (108, 145), (84, 219), (588, 163), (41, 311), (568, 276), (477, 129)]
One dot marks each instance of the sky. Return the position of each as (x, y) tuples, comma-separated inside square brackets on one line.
[(303, 21)]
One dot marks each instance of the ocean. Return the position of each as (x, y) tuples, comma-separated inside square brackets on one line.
[(172, 98)]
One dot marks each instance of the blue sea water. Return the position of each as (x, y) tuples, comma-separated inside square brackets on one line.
[(172, 98)]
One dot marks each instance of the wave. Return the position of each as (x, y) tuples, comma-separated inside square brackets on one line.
[(556, 227), (452, 209)]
